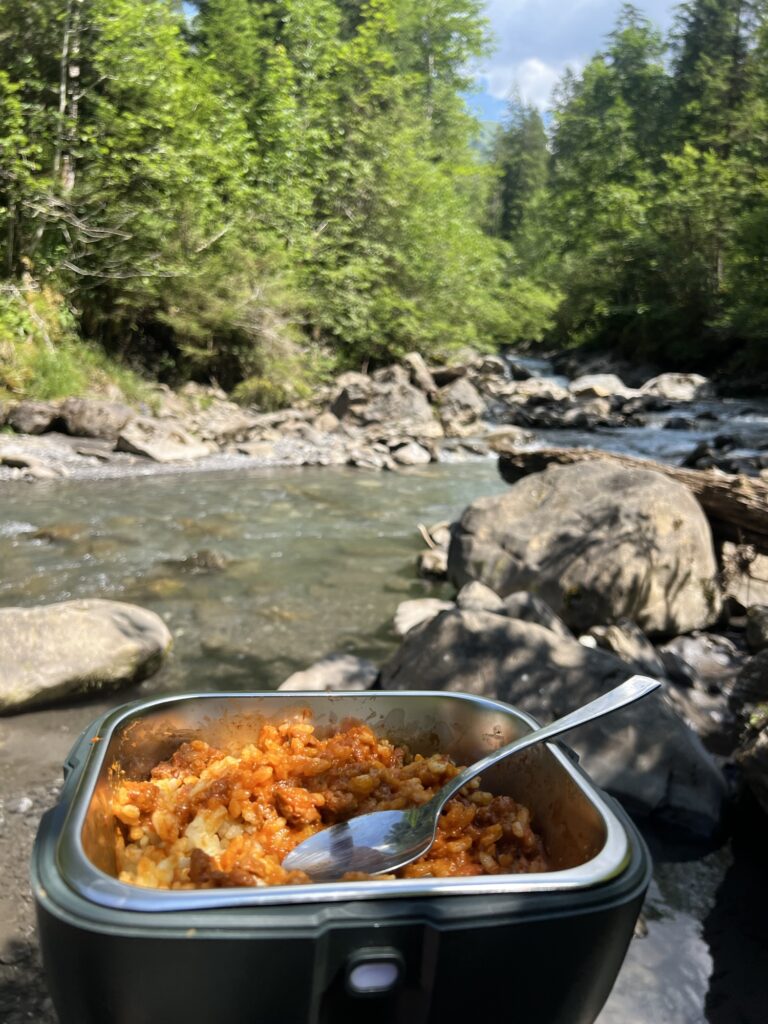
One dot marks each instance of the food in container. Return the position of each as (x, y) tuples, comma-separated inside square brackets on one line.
[(546, 945)]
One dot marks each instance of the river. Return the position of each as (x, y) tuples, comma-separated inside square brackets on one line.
[(259, 572)]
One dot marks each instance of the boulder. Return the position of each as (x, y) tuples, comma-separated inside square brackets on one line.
[(411, 454), (599, 542), (432, 564), (58, 651), (419, 374), (530, 608), (678, 387), (87, 417), (396, 403), (476, 597), (443, 375), (600, 385), (628, 642), (326, 422), (751, 684), (29, 417), (460, 404), (644, 754), (712, 662), (413, 613), (745, 574), (335, 672), (757, 627), (503, 439), (161, 441)]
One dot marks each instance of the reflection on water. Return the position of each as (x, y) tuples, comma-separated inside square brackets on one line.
[(257, 572)]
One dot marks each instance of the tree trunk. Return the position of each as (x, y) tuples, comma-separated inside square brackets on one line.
[(736, 506)]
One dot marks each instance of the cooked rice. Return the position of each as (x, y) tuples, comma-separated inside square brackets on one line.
[(210, 817)]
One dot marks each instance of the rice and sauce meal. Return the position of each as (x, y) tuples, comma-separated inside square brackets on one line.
[(211, 816)]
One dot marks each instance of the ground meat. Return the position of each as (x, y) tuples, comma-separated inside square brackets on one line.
[(211, 817)]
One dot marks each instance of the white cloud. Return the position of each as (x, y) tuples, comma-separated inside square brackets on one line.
[(537, 39), (534, 78)]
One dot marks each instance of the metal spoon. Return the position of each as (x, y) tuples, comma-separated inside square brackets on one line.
[(383, 841)]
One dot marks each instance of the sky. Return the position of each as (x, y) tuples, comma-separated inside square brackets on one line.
[(537, 39)]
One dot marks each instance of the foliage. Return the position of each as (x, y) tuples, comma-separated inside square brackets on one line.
[(267, 188), (42, 355)]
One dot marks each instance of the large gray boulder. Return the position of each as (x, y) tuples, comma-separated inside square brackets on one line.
[(460, 404), (161, 441), (644, 754), (88, 417), (64, 650), (31, 417), (393, 402), (598, 543), (678, 387)]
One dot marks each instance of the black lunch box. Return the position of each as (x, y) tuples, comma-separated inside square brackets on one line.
[(542, 948)]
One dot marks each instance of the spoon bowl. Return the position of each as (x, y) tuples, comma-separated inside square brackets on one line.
[(383, 841)]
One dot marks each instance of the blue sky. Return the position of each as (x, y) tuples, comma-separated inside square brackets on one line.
[(537, 39)]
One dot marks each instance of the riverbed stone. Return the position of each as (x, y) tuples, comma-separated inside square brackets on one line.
[(411, 454), (419, 374), (89, 417), (530, 608), (55, 652), (600, 385), (713, 661), (644, 754), (31, 417), (598, 542), (415, 612), (161, 441), (476, 597), (334, 672), (757, 627), (628, 642), (678, 387)]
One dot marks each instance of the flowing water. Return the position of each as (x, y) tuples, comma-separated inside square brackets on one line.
[(256, 572), (260, 572)]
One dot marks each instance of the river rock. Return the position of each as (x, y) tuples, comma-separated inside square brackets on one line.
[(645, 754), (508, 437), (64, 650), (30, 417), (600, 385), (530, 608), (413, 613), (757, 627), (476, 597), (397, 404), (419, 374), (88, 417), (335, 672), (678, 387), (713, 661), (161, 441), (599, 543), (745, 574), (460, 404), (628, 642), (326, 422), (751, 685), (432, 564), (411, 454), (443, 375)]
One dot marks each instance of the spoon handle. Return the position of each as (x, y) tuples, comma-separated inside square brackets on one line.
[(627, 693)]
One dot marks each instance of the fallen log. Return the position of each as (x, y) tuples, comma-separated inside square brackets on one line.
[(736, 506)]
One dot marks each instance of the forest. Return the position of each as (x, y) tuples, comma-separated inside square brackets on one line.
[(263, 192)]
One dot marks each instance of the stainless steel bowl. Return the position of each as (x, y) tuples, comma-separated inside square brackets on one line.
[(585, 841)]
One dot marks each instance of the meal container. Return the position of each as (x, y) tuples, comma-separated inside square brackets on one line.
[(542, 948)]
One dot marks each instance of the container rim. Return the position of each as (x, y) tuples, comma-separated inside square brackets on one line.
[(96, 886)]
